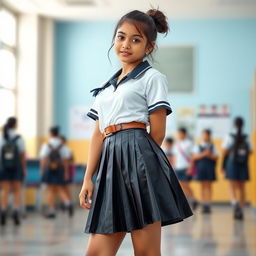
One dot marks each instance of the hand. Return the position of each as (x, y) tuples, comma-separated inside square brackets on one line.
[(85, 196)]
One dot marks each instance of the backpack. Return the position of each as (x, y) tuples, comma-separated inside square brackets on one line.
[(10, 156), (55, 162), (240, 155)]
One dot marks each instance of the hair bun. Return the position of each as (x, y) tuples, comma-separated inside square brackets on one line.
[(160, 20)]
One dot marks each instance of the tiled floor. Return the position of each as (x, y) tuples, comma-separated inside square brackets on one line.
[(215, 235)]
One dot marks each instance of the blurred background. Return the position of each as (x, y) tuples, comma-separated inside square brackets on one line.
[(53, 52)]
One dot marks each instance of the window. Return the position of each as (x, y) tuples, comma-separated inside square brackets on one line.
[(8, 31)]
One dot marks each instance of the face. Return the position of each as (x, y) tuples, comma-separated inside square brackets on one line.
[(130, 45), (205, 136), (181, 135)]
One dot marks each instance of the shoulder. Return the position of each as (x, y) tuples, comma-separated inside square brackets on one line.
[(154, 74)]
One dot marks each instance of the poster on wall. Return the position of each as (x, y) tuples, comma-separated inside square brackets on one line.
[(80, 125), (186, 118), (213, 117)]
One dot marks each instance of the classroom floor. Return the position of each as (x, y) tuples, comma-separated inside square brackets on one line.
[(213, 235)]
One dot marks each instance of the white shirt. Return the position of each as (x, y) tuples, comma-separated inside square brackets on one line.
[(54, 142), (12, 134), (206, 145), (182, 159), (229, 140), (138, 94)]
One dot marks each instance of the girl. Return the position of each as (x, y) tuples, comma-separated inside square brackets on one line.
[(182, 164), (13, 168), (136, 189), (54, 162), (205, 156), (236, 150)]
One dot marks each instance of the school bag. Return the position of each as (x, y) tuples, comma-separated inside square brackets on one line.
[(241, 154), (10, 156), (55, 161)]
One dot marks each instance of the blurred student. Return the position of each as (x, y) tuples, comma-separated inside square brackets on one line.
[(204, 158), (54, 162), (236, 150), (71, 170), (168, 149), (183, 148), (12, 169)]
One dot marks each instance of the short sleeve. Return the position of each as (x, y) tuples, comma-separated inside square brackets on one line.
[(157, 94), (93, 112), (227, 142), (196, 149), (44, 151), (21, 145), (65, 152)]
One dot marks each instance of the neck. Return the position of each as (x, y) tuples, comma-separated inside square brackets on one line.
[(128, 67)]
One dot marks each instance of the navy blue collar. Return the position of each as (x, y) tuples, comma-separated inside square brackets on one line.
[(135, 73)]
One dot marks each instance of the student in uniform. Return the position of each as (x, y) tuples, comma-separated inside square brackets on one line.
[(54, 161), (168, 149), (236, 150), (136, 189), (205, 157), (71, 170), (12, 168), (183, 148)]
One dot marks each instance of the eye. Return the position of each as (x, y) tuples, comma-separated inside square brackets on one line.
[(136, 40), (118, 37)]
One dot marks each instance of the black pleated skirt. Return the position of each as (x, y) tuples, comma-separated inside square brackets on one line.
[(135, 186)]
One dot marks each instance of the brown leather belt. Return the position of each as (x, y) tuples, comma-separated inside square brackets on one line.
[(119, 127)]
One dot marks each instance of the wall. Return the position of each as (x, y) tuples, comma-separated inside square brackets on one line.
[(224, 65)]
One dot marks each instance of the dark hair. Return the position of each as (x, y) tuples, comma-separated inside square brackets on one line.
[(54, 131), (10, 124), (208, 132), (148, 23), (169, 140), (238, 123), (183, 130)]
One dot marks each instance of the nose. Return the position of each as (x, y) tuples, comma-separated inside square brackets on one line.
[(126, 44)]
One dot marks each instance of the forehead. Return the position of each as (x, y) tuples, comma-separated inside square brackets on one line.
[(131, 28)]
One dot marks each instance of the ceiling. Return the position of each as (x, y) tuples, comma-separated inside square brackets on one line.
[(112, 9)]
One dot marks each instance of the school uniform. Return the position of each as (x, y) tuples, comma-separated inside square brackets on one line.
[(182, 152), (12, 174), (55, 177), (205, 167), (135, 184), (233, 169)]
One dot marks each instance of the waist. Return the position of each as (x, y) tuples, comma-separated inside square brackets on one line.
[(123, 126)]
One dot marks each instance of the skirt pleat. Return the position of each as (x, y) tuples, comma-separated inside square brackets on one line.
[(135, 186)]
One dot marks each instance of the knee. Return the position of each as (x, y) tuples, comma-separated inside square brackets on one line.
[(92, 252)]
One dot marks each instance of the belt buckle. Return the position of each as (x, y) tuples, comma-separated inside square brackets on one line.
[(107, 135)]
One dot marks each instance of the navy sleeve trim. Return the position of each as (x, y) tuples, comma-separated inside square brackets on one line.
[(91, 115), (94, 111), (158, 105)]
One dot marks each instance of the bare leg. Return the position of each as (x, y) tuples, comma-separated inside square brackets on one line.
[(104, 244), (232, 191), (51, 191), (241, 187), (206, 190), (187, 189), (6, 185), (147, 241), (63, 195), (17, 194)]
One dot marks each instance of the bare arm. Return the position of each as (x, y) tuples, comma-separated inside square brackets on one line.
[(43, 164), (157, 122), (95, 149), (23, 164)]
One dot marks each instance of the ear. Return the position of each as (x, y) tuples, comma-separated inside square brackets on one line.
[(150, 47)]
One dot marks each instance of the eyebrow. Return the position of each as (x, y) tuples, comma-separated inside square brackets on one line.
[(121, 32)]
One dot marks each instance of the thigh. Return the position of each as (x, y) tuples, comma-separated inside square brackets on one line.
[(6, 186), (16, 186), (104, 244), (147, 241)]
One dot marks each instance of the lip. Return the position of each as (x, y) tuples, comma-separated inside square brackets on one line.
[(125, 54)]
